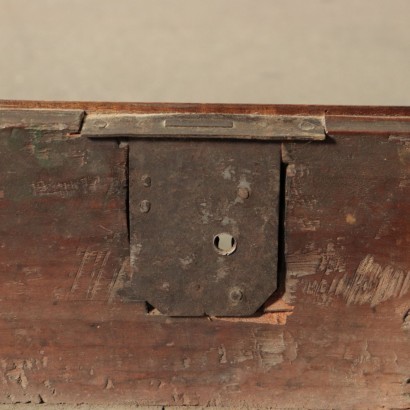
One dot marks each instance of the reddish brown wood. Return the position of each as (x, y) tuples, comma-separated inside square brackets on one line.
[(128, 107), (63, 217), (337, 335)]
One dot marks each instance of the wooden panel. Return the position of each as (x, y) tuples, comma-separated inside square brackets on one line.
[(337, 335), (63, 230)]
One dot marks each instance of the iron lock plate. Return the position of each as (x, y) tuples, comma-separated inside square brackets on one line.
[(204, 207), (204, 225)]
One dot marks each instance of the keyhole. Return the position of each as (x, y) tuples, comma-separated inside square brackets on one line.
[(225, 243)]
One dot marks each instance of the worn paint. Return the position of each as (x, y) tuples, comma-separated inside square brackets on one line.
[(269, 350), (18, 375), (321, 357), (350, 219), (109, 384), (228, 172), (373, 283), (311, 262)]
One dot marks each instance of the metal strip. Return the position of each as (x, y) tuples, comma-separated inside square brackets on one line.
[(42, 119), (225, 126), (364, 125)]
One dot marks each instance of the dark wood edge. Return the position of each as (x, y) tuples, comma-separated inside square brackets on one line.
[(109, 107)]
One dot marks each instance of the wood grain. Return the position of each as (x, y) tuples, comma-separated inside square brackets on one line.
[(337, 333), (63, 221), (42, 119), (132, 107)]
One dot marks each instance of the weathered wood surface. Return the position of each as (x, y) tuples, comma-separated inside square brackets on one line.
[(63, 220), (152, 108), (337, 334), (42, 119)]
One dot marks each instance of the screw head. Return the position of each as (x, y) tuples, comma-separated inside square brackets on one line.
[(306, 126), (146, 180), (101, 124), (145, 206), (243, 193), (236, 295)]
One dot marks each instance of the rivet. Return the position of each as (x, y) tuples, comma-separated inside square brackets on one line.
[(243, 193), (236, 295), (145, 206), (101, 124), (306, 126), (146, 180)]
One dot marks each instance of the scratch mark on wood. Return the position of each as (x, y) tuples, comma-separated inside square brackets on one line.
[(371, 284), (268, 318), (186, 362), (361, 359), (406, 322), (269, 348), (119, 279), (17, 373), (109, 384), (307, 225), (91, 268), (98, 265), (80, 157), (49, 386), (317, 261), (303, 263), (66, 189), (106, 229), (79, 272), (222, 354)]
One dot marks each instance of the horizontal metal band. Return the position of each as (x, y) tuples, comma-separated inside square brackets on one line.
[(225, 126), (339, 125), (41, 119)]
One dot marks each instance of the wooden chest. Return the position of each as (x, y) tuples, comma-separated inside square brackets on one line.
[(212, 255)]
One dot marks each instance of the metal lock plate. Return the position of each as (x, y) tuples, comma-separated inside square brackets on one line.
[(204, 225), (204, 206)]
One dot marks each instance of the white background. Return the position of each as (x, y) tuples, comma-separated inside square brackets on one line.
[(243, 51)]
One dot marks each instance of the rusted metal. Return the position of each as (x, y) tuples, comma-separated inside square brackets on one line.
[(196, 193), (226, 126), (203, 213)]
